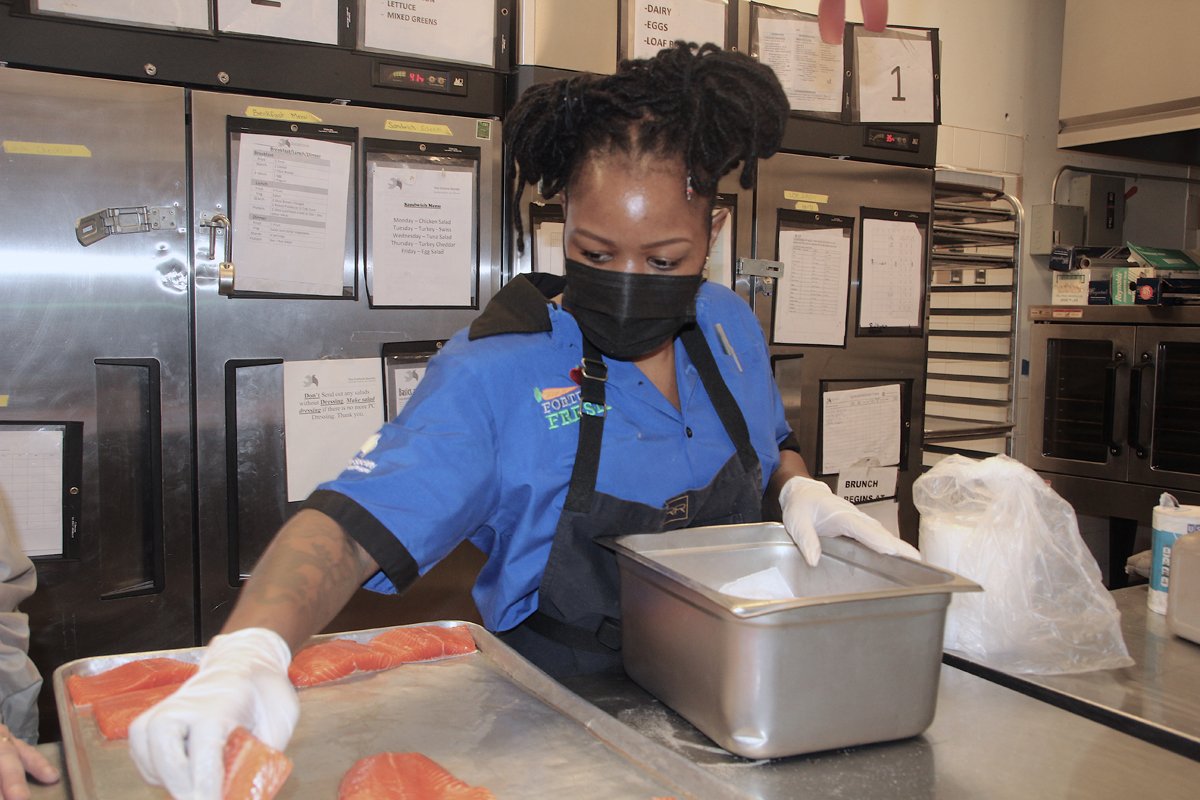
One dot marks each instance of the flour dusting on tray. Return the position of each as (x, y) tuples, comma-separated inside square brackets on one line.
[(766, 584)]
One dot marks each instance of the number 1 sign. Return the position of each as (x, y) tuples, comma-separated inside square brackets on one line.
[(895, 75)]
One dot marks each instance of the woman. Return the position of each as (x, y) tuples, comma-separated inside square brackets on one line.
[(551, 421)]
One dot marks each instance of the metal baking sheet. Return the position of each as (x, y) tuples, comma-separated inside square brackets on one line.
[(490, 718)]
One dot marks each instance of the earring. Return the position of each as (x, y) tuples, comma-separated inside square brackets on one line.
[(690, 192)]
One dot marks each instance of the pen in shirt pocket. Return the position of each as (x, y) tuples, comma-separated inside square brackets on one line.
[(728, 347)]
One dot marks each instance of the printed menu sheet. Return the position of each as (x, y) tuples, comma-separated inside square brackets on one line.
[(290, 220), (331, 407), (810, 71), (658, 25), (31, 490), (422, 234), (858, 424), (893, 277), (191, 14), (446, 30), (307, 20), (811, 296)]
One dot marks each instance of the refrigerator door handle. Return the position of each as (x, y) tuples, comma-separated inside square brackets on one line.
[(1135, 403), (153, 576), (225, 268), (1110, 399), (233, 535)]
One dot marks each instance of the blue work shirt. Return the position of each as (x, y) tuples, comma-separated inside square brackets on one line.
[(484, 448)]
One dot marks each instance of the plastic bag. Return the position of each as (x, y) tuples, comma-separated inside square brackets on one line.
[(1043, 608)]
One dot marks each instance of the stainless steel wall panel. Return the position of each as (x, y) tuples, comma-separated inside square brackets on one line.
[(67, 310), (849, 186)]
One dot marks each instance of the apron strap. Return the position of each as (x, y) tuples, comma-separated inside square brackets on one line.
[(591, 429), (722, 399)]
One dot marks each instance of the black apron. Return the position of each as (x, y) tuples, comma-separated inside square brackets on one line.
[(576, 628)]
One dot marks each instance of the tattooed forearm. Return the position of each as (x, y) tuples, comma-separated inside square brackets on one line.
[(303, 579)]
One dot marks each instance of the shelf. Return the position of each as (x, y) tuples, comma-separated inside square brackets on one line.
[(976, 228), (941, 429)]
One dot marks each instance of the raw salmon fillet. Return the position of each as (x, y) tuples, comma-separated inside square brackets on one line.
[(405, 776), (423, 642), (326, 661), (336, 658), (114, 714), (143, 674), (253, 770)]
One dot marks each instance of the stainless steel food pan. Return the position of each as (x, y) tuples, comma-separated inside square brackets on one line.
[(852, 659)]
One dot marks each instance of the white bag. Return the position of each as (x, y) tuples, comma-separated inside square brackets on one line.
[(1043, 608)]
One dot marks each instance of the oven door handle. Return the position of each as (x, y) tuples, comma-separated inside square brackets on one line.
[(1135, 403), (1110, 400)]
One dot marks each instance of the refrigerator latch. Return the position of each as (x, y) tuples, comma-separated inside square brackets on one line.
[(759, 267), (220, 223), (98, 225)]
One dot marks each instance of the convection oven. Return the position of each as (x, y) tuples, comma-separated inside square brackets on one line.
[(1112, 415), (1115, 393)]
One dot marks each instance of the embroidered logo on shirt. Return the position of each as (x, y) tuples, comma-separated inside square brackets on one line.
[(561, 406), (677, 509)]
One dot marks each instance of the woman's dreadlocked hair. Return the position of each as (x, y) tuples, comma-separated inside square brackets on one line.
[(705, 106)]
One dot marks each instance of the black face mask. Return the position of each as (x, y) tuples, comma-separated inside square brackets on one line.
[(627, 315)]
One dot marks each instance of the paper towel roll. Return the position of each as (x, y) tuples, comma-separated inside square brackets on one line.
[(1169, 522), (942, 539)]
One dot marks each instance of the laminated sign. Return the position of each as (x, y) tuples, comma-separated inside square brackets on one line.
[(655, 26), (445, 30)]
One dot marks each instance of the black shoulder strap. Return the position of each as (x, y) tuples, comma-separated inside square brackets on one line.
[(722, 399), (591, 429)]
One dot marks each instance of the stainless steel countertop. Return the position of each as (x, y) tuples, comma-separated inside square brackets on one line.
[(1157, 699), (986, 741)]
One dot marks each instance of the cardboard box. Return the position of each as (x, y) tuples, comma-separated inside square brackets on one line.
[(1124, 282), (1070, 288)]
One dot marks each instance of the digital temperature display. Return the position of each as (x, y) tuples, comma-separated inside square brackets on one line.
[(893, 140), (421, 79)]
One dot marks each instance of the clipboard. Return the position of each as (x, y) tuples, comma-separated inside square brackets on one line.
[(236, 127), (791, 220), (404, 366), (25, 470), (918, 278), (839, 384), (423, 156)]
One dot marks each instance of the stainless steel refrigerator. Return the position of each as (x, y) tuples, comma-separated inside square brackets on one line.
[(824, 205), (128, 342)]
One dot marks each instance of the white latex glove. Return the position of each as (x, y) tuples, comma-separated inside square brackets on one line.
[(243, 681), (811, 510)]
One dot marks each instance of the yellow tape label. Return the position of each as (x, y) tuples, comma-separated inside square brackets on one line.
[(807, 207), (46, 149), (427, 128), (3, 401), (285, 114), (806, 196)]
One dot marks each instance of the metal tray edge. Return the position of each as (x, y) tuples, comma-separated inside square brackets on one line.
[(648, 755)]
